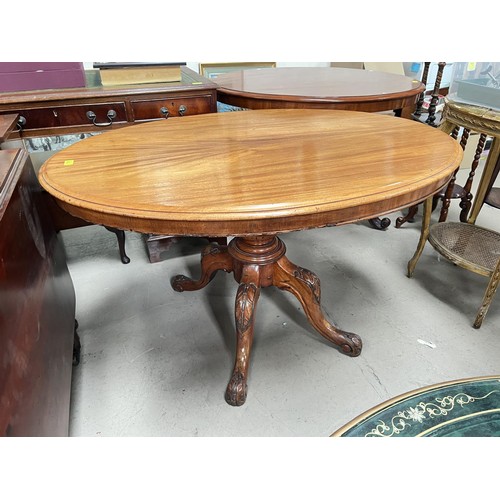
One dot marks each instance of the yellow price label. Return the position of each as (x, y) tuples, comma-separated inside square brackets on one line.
[(67, 163), (471, 66)]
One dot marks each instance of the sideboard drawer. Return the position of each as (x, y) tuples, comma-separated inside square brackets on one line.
[(64, 116), (151, 109), (34, 118), (78, 115)]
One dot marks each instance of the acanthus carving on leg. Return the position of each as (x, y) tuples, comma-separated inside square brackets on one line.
[(259, 262), (286, 277), (246, 301), (236, 391), (311, 280)]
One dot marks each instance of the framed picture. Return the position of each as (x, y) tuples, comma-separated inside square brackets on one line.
[(211, 70)]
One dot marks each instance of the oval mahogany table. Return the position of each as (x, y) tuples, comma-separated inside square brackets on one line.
[(253, 175), (321, 88)]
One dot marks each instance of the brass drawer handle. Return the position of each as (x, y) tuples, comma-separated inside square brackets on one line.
[(111, 116), (164, 111), (182, 109)]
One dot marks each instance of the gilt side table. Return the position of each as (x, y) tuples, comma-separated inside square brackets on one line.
[(465, 119)]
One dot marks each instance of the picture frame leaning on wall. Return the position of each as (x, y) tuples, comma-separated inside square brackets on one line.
[(212, 70)]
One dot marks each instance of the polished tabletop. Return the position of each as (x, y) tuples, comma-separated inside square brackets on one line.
[(341, 88), (250, 172)]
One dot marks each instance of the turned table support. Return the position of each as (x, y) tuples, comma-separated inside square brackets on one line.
[(258, 262)]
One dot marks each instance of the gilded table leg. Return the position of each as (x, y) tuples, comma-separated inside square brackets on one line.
[(485, 182), (424, 235), (488, 296), (213, 258), (305, 285)]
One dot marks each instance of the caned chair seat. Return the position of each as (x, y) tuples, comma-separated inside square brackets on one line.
[(471, 247), (467, 245)]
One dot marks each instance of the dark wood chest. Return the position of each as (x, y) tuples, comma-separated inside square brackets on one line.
[(37, 308)]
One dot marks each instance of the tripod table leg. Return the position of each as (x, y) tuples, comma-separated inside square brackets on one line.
[(305, 285), (246, 302), (213, 258)]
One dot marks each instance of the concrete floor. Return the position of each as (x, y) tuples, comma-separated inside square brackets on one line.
[(156, 362)]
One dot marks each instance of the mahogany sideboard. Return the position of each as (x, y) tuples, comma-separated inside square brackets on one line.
[(96, 108), (37, 308)]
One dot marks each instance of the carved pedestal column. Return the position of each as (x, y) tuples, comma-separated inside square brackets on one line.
[(259, 262)]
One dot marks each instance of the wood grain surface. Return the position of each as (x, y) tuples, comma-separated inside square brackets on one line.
[(253, 172)]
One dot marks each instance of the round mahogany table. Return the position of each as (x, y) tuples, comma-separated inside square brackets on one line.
[(253, 175)]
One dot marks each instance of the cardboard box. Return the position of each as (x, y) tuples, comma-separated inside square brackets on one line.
[(19, 76)]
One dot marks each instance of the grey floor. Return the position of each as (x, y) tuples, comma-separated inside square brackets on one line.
[(156, 362)]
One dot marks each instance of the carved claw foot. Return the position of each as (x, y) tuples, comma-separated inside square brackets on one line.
[(246, 301), (236, 392), (353, 344), (179, 281)]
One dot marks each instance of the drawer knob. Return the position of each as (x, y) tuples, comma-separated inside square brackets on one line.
[(182, 109), (21, 122), (164, 111), (111, 116)]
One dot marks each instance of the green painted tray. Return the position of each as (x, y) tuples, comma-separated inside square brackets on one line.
[(467, 407)]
